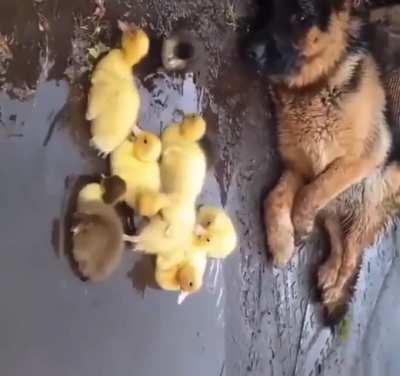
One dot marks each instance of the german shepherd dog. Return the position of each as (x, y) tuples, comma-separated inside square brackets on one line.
[(333, 137)]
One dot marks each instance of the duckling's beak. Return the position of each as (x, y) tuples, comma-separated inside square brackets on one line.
[(199, 230), (182, 296), (126, 27), (136, 130), (123, 26)]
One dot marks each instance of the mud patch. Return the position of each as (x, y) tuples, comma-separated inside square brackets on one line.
[(87, 44)]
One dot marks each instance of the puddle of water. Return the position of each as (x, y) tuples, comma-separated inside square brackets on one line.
[(45, 142), (166, 98), (39, 161)]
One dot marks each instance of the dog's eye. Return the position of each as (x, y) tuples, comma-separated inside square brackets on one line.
[(299, 18)]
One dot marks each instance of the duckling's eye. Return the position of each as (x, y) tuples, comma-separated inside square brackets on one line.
[(208, 240), (190, 284), (145, 140)]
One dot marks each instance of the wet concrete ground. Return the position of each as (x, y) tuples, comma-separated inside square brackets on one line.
[(249, 319)]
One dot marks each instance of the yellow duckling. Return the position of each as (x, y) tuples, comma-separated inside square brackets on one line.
[(213, 236), (183, 166), (167, 231), (180, 272), (90, 192), (183, 170), (214, 233), (97, 235), (183, 163), (114, 101), (135, 161)]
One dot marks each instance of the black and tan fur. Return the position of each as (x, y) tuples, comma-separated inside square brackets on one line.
[(332, 135)]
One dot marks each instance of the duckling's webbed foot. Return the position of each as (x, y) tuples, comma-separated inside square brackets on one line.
[(130, 238), (136, 131), (100, 153)]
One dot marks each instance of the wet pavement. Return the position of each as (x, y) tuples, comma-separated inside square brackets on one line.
[(249, 319)]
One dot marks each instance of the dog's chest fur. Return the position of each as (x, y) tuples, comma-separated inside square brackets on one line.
[(310, 125), (342, 116)]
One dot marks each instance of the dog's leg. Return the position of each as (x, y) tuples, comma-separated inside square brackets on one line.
[(328, 272), (277, 211), (354, 245), (338, 177), (380, 205)]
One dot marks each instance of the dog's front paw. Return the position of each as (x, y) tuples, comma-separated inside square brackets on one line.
[(303, 217), (331, 295), (303, 223), (282, 247), (281, 240)]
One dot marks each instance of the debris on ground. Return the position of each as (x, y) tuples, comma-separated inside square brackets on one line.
[(344, 329), (97, 50), (100, 10), (43, 25), (5, 55), (231, 16), (87, 42)]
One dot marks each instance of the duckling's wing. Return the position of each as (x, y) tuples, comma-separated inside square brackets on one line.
[(105, 95), (99, 97), (166, 278), (116, 100)]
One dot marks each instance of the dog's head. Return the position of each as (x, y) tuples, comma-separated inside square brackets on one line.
[(302, 40)]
